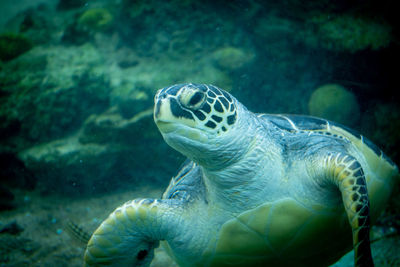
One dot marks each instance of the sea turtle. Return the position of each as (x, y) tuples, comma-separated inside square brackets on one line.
[(256, 190)]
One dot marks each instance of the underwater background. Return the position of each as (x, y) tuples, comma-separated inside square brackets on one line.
[(77, 81)]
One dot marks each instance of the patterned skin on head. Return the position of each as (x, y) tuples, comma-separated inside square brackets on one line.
[(205, 105)]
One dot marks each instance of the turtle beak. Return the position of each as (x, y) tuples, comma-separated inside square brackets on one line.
[(157, 108), (167, 110), (162, 114), (161, 102)]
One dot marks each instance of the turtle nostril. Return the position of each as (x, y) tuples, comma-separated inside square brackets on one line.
[(160, 96)]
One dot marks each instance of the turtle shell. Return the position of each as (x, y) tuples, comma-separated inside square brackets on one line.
[(302, 123), (380, 172), (283, 233), (287, 231)]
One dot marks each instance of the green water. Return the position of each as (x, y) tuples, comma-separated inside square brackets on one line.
[(77, 81)]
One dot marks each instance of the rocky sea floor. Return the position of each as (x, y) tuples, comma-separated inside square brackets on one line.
[(38, 232)]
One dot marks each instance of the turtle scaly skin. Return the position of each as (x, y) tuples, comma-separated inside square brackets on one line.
[(256, 190)]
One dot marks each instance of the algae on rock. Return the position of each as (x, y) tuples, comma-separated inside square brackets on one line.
[(54, 88), (334, 102), (232, 58), (96, 19), (12, 45), (347, 32)]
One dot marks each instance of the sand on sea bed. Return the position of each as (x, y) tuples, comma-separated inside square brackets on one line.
[(45, 239)]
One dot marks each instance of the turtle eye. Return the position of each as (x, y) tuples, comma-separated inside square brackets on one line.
[(192, 99)]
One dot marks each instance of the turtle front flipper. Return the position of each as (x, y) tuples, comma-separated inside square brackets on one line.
[(347, 174), (129, 235)]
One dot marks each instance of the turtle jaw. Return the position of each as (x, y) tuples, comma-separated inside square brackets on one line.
[(166, 127), (175, 130), (183, 135), (183, 138)]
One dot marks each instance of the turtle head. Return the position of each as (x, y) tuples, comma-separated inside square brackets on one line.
[(200, 121)]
